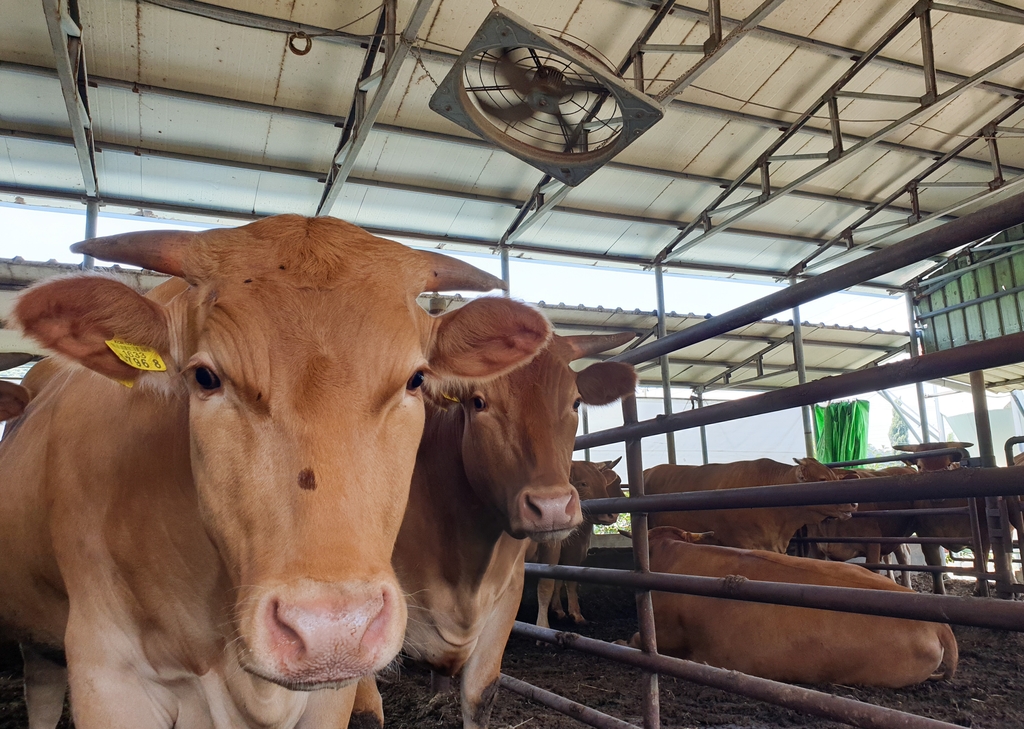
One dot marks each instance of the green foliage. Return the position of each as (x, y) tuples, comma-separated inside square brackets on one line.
[(899, 434)]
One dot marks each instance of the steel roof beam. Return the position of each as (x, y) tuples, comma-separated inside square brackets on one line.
[(345, 159), (69, 56), (443, 138), (927, 105), (252, 20)]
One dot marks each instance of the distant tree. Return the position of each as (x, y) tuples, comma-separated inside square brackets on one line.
[(899, 434)]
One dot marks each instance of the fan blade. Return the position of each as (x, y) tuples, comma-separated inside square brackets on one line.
[(510, 114), (513, 75), (575, 88)]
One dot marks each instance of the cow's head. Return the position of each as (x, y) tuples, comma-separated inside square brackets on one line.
[(519, 431), (596, 481), (809, 470), (301, 352)]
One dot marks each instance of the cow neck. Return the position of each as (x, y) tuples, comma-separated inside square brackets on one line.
[(464, 527)]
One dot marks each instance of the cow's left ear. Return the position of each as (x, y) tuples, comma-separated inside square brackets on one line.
[(79, 315), (605, 382), (13, 399)]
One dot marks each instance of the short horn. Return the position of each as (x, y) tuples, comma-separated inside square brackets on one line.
[(584, 345), (445, 273), (156, 250)]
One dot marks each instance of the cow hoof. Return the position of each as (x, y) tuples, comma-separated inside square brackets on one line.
[(579, 620), (364, 720)]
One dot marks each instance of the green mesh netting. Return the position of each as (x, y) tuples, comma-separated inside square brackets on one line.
[(841, 431)]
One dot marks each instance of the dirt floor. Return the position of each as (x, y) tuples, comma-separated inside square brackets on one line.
[(987, 692)]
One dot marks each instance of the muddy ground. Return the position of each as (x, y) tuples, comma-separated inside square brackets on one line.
[(987, 692)]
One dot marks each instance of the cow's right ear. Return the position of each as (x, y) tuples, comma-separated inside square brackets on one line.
[(77, 316), (485, 338), (13, 400)]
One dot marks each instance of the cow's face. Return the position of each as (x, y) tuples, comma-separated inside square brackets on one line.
[(592, 481), (301, 352), (519, 432)]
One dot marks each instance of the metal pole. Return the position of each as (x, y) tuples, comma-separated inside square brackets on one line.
[(998, 352), (504, 271), (915, 351), (801, 373), (971, 227), (579, 712), (666, 379), (586, 429), (92, 213), (809, 701), (703, 430), (642, 563), (998, 526)]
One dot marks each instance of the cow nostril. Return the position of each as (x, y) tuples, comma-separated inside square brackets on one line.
[(533, 508)]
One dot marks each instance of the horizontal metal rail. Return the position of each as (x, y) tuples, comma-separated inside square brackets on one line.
[(943, 511), (874, 540), (816, 703), (961, 483), (988, 221), (579, 712), (1000, 352), (977, 612), (930, 568), (900, 457)]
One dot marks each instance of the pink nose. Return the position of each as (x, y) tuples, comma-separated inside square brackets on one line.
[(549, 510), (318, 637)]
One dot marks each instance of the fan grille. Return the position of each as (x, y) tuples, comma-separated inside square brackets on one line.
[(577, 115)]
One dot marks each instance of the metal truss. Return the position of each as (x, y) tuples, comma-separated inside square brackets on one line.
[(924, 104), (361, 121), (64, 26), (988, 133)]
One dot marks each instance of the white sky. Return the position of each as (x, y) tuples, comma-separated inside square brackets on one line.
[(38, 234)]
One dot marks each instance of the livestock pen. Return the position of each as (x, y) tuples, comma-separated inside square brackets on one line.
[(988, 483)]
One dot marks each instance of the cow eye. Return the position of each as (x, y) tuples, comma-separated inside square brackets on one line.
[(207, 379), (415, 381), (479, 404), (576, 405)]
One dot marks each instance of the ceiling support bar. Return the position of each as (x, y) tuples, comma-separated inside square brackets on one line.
[(345, 159), (63, 24), (987, 132), (680, 244)]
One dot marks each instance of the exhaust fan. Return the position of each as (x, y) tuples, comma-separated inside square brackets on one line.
[(545, 100)]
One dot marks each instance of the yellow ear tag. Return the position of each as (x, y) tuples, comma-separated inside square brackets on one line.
[(446, 396), (137, 356), (126, 383)]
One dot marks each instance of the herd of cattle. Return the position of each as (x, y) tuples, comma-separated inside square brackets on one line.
[(232, 501)]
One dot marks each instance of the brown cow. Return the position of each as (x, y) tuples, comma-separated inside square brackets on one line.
[(592, 481), (198, 521), (783, 643), (493, 468), (13, 399), (769, 528)]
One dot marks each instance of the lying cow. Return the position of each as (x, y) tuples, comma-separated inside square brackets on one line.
[(177, 504), (592, 481), (798, 645), (492, 469), (766, 528)]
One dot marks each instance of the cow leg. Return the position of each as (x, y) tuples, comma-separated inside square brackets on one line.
[(873, 554), (331, 709), (574, 603), (903, 557), (545, 595), (556, 600), (368, 708), (933, 556), (480, 674), (46, 682)]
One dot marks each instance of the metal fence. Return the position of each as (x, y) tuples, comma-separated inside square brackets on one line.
[(975, 483)]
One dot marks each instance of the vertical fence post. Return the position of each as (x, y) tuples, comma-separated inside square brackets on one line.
[(503, 252), (915, 352), (801, 373), (995, 510), (642, 563), (586, 429), (703, 430), (92, 214), (666, 379)]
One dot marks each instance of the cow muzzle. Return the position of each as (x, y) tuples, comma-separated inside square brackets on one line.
[(311, 635), (546, 514)]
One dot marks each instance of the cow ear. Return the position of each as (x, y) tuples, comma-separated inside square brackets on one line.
[(486, 338), (77, 316), (13, 399), (605, 382)]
